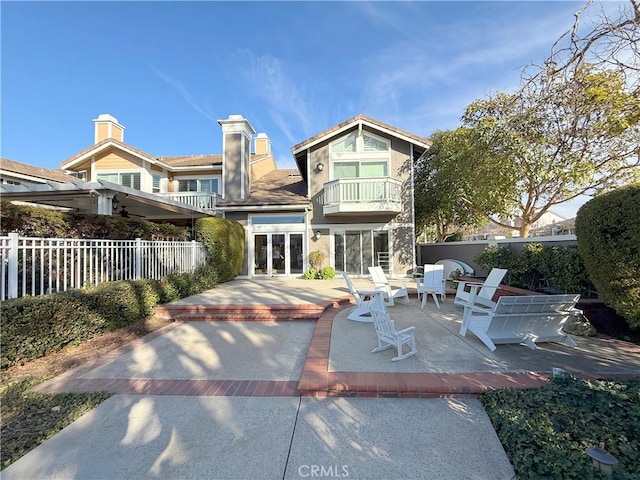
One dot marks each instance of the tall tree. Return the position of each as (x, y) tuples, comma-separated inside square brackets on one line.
[(440, 184), (558, 140)]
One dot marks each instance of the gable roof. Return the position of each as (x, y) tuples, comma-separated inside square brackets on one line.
[(299, 150), (168, 162), (329, 132), (34, 173)]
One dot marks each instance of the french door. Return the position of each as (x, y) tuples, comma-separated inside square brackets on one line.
[(278, 254)]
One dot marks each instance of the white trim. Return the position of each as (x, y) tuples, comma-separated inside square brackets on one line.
[(413, 206), (224, 164), (242, 168), (362, 122), (98, 148), (274, 208)]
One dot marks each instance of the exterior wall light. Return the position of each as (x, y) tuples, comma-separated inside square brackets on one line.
[(317, 235), (319, 166), (602, 460)]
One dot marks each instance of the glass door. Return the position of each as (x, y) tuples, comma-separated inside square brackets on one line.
[(261, 255), (278, 254)]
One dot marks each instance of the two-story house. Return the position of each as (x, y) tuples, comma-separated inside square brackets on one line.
[(351, 196)]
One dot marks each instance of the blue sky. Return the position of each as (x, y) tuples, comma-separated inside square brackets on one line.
[(169, 70)]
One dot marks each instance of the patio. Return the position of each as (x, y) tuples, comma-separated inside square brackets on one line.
[(331, 356)]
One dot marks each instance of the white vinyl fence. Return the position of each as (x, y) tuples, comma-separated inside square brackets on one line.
[(38, 266)]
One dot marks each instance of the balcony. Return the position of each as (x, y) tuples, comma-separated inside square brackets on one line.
[(202, 200), (362, 196)]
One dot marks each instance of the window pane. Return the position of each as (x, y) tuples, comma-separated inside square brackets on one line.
[(295, 253), (187, 185), (205, 185), (109, 177), (347, 144), (131, 180), (339, 251), (345, 170), (374, 145), (156, 182), (277, 219), (374, 169)]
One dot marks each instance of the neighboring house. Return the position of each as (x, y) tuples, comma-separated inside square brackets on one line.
[(350, 198), (18, 173), (548, 224)]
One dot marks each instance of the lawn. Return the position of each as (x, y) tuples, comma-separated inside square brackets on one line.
[(28, 419), (545, 431)]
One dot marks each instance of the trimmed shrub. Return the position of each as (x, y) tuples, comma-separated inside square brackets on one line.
[(225, 243), (33, 327), (316, 259), (41, 222), (608, 231), (536, 267)]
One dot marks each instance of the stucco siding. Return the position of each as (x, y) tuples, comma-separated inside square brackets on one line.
[(232, 166)]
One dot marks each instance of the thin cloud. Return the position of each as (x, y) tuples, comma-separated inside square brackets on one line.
[(268, 78), (184, 93)]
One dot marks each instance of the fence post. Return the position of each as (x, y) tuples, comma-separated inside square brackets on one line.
[(12, 279), (193, 255), (138, 259)]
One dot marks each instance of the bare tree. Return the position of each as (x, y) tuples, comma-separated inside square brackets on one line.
[(611, 41)]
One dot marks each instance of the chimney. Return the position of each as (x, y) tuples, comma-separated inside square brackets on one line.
[(236, 157), (263, 144), (107, 126)]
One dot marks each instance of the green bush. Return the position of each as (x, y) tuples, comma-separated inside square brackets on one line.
[(326, 273), (225, 244), (316, 259), (555, 269), (310, 274), (33, 327), (546, 430), (608, 231), (41, 222), (36, 326)]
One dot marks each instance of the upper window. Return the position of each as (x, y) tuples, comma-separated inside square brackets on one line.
[(131, 180), (155, 182), (198, 185), (345, 144), (372, 144), (360, 156)]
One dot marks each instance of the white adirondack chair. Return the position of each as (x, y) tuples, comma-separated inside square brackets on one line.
[(479, 291), (380, 282), (363, 298), (432, 283), (389, 337)]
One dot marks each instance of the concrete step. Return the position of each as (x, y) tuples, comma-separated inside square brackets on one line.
[(246, 313)]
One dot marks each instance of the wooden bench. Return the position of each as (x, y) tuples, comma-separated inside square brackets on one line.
[(520, 319)]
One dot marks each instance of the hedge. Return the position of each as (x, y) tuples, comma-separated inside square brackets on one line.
[(225, 244), (608, 233), (45, 223), (537, 267), (33, 327)]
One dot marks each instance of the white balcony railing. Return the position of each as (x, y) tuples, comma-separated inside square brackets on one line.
[(362, 195), (204, 200)]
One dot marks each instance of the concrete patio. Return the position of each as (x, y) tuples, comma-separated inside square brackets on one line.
[(297, 398)]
